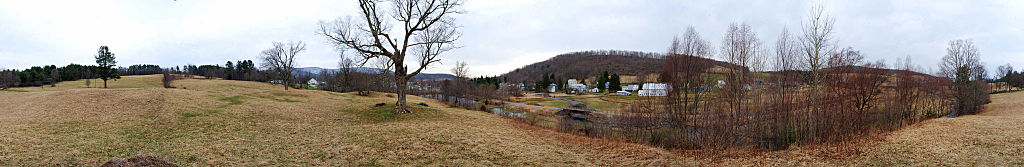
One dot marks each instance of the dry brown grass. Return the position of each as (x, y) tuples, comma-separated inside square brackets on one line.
[(235, 123), (994, 137)]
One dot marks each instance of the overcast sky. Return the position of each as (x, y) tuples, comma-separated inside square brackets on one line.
[(498, 35)]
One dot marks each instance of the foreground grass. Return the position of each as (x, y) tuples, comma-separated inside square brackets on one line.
[(994, 137), (234, 123)]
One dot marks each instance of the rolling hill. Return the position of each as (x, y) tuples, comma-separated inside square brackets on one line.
[(586, 64)]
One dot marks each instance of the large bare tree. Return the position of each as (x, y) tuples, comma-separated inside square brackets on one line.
[(281, 59), (426, 30), (817, 42), (962, 65), (817, 45)]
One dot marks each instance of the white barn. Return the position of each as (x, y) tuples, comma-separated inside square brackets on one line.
[(654, 89)]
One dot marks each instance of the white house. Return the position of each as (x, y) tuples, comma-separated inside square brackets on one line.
[(575, 85), (622, 93), (313, 81), (633, 87), (654, 89)]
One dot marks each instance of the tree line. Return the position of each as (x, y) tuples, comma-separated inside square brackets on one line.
[(1007, 79)]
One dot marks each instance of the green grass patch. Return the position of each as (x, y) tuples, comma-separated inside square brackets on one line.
[(233, 100), (387, 113), (206, 112), (190, 115), (14, 90), (288, 94), (286, 100)]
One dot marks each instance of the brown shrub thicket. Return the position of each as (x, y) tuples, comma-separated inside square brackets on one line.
[(168, 78), (805, 92)]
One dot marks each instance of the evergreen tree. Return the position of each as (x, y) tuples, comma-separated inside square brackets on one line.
[(616, 83), (105, 62)]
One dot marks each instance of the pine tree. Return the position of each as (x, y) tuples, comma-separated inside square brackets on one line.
[(615, 84), (105, 61)]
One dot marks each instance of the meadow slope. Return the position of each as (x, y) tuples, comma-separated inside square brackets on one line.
[(237, 123)]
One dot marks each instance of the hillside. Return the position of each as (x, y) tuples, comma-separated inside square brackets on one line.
[(238, 123), (588, 64)]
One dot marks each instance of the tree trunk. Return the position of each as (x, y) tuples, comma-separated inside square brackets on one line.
[(104, 84), (400, 83), (285, 83)]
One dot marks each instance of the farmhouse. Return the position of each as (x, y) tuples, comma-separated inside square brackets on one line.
[(654, 89), (575, 85)]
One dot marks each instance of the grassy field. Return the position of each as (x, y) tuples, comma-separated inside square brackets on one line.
[(236, 123)]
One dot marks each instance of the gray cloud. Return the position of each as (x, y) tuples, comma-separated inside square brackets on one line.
[(498, 35)]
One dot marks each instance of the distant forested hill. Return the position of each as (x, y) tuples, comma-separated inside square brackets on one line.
[(586, 64)]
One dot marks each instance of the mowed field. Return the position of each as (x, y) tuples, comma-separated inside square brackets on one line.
[(237, 123)]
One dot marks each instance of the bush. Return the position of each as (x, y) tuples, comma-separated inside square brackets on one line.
[(167, 79)]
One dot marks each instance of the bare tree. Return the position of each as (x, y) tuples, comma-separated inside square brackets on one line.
[(347, 69), (8, 79), (817, 42), (460, 70), (694, 45), (739, 47), (786, 51), (54, 77), (1002, 72), (281, 59), (782, 98), (961, 64), (427, 30), (167, 79), (816, 45)]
